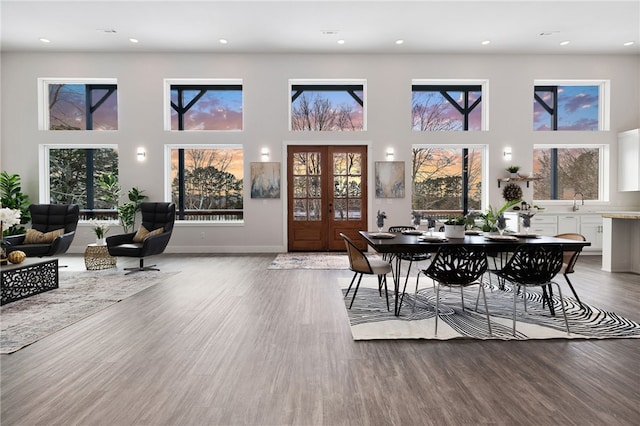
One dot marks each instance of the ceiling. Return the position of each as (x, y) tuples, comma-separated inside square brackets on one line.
[(307, 26)]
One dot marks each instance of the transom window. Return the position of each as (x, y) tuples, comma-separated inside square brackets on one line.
[(75, 175), (567, 171), (571, 105), (204, 105), (447, 178), (68, 104), (327, 105), (206, 182), (447, 106)]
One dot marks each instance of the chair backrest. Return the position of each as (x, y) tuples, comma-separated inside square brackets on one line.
[(401, 228), (534, 264), (458, 265), (358, 261), (158, 215), (51, 217), (569, 258)]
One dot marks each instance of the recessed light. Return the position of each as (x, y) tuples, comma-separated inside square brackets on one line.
[(45, 40), (223, 41), (564, 43), (134, 40), (484, 43), (400, 41), (629, 43), (340, 41)]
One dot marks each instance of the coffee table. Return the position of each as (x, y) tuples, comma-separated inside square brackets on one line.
[(97, 257), (25, 279)]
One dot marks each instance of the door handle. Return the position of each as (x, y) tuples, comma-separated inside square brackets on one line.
[(330, 207)]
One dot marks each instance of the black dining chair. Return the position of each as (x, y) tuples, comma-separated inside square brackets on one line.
[(457, 266), (409, 257), (569, 259), (534, 265)]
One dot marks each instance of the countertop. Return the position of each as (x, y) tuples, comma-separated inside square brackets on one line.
[(621, 215)]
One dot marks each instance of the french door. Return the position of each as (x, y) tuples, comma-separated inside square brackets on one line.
[(326, 196)]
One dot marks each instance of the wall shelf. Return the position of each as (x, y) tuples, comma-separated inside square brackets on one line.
[(517, 179)]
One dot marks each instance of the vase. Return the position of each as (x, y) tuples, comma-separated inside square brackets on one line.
[(100, 242), (454, 231), (513, 175)]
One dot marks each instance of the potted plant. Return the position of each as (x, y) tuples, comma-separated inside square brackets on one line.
[(513, 170), (454, 227), (127, 211), (12, 197), (491, 216), (100, 229)]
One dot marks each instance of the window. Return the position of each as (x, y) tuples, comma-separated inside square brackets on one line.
[(447, 177), (204, 105), (206, 182), (75, 175), (67, 104), (567, 171), (439, 106), (327, 106), (570, 106)]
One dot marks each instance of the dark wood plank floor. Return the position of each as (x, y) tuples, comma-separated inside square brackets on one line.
[(228, 342)]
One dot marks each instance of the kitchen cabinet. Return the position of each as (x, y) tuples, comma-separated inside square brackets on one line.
[(591, 228), (568, 223), (544, 225)]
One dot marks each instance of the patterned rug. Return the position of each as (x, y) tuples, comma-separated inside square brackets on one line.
[(370, 319), (310, 261), (81, 294)]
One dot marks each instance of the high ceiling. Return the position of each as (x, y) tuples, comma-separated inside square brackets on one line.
[(307, 26)]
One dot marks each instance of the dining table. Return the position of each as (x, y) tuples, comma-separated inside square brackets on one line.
[(392, 244)]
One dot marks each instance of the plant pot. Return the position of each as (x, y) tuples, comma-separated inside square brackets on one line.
[(454, 231), (100, 242), (513, 175)]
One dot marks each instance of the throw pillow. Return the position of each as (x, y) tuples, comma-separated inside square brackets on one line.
[(143, 234), (34, 236)]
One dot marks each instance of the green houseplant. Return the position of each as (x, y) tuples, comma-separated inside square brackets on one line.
[(490, 216), (513, 170), (127, 211), (454, 226), (11, 197)]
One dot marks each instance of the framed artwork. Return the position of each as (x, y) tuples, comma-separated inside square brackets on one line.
[(389, 179), (265, 180)]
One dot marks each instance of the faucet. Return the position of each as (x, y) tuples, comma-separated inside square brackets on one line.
[(575, 205)]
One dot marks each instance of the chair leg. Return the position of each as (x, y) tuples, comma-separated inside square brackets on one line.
[(382, 280), (352, 280), (566, 277), (564, 312), (514, 313), (486, 309), (437, 308), (355, 291), (141, 268), (415, 295)]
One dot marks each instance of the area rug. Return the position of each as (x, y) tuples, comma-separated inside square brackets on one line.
[(81, 294), (370, 319), (311, 260)]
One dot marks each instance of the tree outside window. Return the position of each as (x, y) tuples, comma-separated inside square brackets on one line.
[(82, 106), (207, 183), (74, 176), (446, 107), (327, 107), (566, 172), (446, 178)]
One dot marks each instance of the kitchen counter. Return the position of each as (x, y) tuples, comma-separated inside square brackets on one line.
[(621, 241)]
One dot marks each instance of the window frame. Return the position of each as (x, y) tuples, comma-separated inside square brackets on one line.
[(167, 182), (328, 82), (484, 172), (44, 159), (484, 96), (604, 101), (167, 108), (43, 98), (603, 171)]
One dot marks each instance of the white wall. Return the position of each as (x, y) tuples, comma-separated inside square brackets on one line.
[(140, 93)]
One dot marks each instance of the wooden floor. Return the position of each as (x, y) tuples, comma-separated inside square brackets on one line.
[(228, 342)]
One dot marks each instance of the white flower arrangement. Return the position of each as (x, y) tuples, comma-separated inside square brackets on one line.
[(9, 217), (101, 228)]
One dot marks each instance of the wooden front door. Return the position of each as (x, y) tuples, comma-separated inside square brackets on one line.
[(327, 195)]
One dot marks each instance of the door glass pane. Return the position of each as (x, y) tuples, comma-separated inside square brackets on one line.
[(299, 186), (300, 163), (339, 186), (340, 210), (315, 189), (355, 187), (300, 210), (355, 165), (355, 209), (340, 163), (315, 209), (313, 164)]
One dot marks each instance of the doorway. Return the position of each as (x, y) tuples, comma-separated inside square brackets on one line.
[(326, 196)]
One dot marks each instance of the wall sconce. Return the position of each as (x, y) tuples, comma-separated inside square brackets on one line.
[(507, 153), (265, 154), (389, 154), (141, 154)]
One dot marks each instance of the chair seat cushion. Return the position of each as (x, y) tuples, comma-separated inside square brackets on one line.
[(379, 266), (34, 236), (31, 250)]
